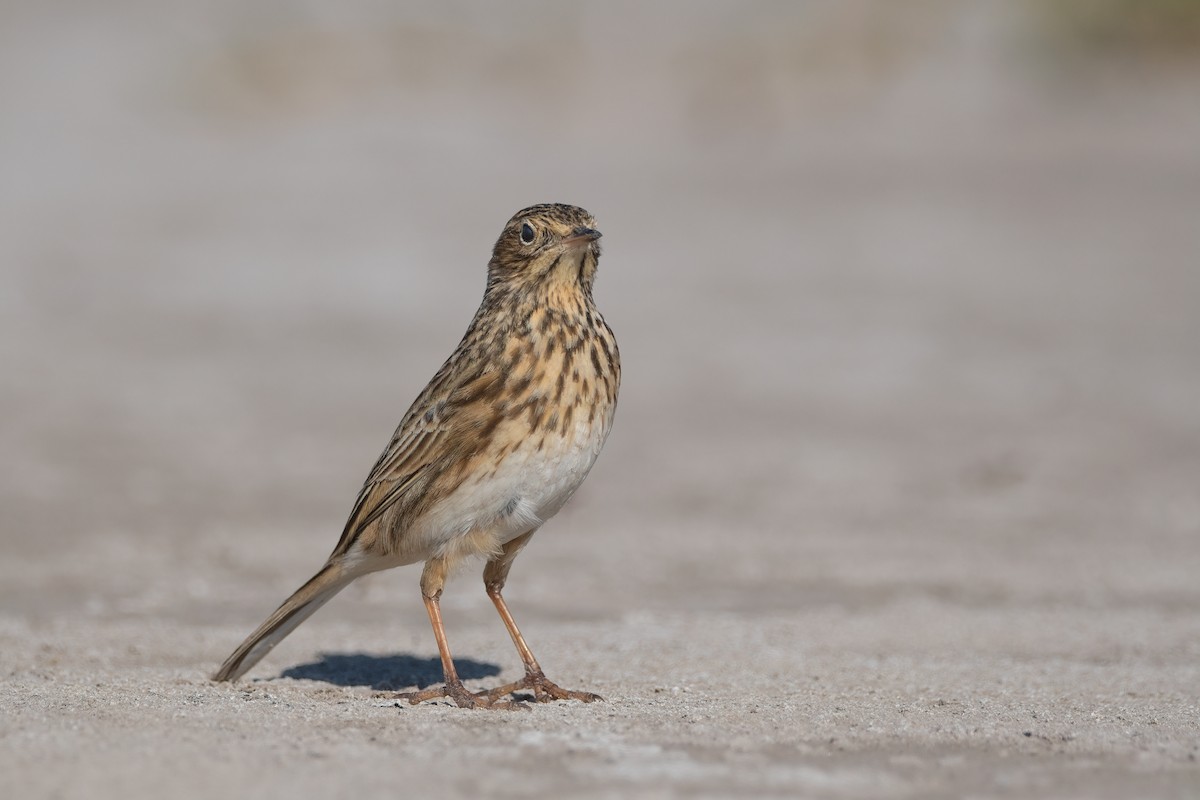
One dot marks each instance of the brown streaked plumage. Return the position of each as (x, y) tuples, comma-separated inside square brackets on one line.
[(493, 447)]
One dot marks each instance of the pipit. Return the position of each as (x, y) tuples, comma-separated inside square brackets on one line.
[(493, 447)]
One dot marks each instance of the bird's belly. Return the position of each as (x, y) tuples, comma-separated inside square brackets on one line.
[(520, 492), (538, 481)]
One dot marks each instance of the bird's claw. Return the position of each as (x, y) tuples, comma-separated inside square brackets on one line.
[(544, 690)]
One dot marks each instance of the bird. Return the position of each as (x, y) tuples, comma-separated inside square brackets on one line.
[(493, 447)]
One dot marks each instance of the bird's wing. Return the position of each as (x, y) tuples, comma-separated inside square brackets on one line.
[(441, 427)]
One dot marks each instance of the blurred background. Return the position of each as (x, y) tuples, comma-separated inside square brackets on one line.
[(907, 293)]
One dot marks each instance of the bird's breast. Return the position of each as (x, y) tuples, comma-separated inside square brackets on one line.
[(551, 417)]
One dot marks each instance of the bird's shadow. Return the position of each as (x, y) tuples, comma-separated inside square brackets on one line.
[(385, 673)]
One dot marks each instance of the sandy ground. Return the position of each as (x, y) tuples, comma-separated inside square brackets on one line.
[(903, 498)]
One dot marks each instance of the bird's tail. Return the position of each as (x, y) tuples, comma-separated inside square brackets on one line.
[(332, 578)]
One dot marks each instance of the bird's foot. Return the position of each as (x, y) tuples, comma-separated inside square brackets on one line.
[(459, 695), (455, 691), (544, 690)]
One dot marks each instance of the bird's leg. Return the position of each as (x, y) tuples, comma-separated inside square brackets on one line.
[(494, 576), (433, 579)]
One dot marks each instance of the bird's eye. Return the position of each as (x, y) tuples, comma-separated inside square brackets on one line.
[(526, 233)]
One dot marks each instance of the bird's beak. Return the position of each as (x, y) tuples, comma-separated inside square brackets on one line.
[(582, 235)]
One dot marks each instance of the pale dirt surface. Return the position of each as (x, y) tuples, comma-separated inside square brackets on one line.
[(903, 498)]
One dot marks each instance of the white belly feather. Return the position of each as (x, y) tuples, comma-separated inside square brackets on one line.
[(528, 487)]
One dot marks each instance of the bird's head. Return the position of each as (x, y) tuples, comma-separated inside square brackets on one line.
[(550, 245)]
